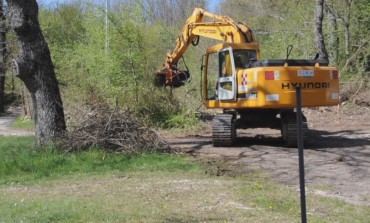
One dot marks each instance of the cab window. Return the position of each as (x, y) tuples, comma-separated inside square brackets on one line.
[(225, 64), (243, 58)]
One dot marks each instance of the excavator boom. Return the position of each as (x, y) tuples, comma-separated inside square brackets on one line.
[(223, 28)]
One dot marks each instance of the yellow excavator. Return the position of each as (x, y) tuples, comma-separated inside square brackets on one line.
[(252, 92)]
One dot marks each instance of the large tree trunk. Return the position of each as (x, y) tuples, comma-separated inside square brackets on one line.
[(35, 68), (320, 43), (2, 56)]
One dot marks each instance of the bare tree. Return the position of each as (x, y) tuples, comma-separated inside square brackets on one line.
[(320, 43), (346, 19), (172, 12), (344, 11), (34, 67), (334, 37), (2, 55)]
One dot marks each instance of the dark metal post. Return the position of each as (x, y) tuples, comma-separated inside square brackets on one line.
[(301, 155)]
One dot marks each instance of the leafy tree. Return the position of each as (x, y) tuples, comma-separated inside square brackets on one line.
[(277, 24), (139, 41)]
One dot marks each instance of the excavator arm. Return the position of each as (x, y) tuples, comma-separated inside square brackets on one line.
[(223, 28)]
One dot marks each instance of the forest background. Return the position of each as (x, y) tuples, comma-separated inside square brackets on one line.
[(96, 71)]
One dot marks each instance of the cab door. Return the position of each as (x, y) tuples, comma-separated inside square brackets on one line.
[(227, 76)]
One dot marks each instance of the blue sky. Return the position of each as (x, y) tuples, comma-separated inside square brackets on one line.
[(213, 4)]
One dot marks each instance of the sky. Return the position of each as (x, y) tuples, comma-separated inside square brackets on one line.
[(213, 4)]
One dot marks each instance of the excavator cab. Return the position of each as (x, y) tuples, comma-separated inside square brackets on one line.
[(222, 64)]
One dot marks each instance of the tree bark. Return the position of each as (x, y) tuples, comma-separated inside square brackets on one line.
[(2, 56), (345, 17), (34, 67), (26, 103), (334, 37), (346, 38), (347, 25), (320, 43)]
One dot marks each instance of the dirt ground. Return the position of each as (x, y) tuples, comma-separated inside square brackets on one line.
[(337, 155)]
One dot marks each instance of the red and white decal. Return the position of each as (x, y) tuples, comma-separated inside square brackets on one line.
[(244, 79), (272, 75), (244, 85)]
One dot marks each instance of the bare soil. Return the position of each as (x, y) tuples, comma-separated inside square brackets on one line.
[(337, 155)]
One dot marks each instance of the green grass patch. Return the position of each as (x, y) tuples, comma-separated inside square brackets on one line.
[(21, 162), (181, 121), (284, 202), (23, 123)]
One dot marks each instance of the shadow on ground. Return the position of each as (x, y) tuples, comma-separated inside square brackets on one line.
[(318, 140)]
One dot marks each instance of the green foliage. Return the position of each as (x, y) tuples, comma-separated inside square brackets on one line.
[(63, 25), (20, 162), (277, 24), (362, 17), (92, 75), (182, 120)]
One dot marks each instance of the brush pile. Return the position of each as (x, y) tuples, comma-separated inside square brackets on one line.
[(113, 131)]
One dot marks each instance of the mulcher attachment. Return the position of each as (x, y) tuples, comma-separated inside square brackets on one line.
[(171, 77), (223, 130), (289, 128)]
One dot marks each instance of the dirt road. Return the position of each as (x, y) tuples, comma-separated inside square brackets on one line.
[(337, 155)]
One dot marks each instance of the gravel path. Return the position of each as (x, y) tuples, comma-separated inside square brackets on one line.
[(6, 122)]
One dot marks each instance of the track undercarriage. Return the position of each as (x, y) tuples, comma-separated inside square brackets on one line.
[(224, 125)]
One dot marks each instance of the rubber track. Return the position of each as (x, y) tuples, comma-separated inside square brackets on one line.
[(223, 130), (289, 131)]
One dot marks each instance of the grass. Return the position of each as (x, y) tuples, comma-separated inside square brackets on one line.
[(44, 185), (22, 123), (21, 162)]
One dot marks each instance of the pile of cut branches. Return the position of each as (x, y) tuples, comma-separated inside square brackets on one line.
[(363, 99), (113, 131), (355, 92)]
